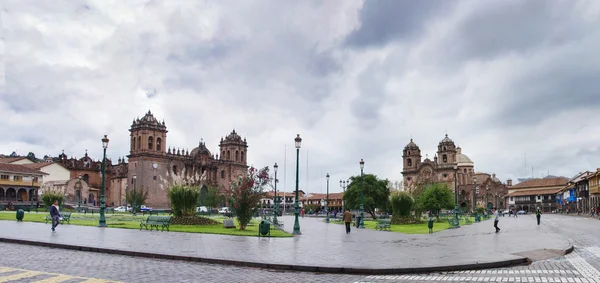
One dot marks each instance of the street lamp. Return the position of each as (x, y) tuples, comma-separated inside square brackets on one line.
[(487, 194), (327, 200), (475, 196), (134, 196), (79, 193), (343, 186), (275, 201), (362, 198), (102, 222), (456, 198), (296, 231)]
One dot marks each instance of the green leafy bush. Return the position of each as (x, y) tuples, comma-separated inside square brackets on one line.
[(183, 200), (48, 197), (140, 197), (402, 203)]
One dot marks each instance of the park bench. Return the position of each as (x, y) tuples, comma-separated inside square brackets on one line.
[(66, 216), (452, 222), (383, 224), (155, 221)]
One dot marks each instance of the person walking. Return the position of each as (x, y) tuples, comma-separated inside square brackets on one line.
[(538, 215), (347, 220), (55, 215), (496, 219)]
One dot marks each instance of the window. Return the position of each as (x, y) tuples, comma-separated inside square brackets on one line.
[(237, 153), (222, 174), (4, 177), (150, 146), (408, 178), (465, 171), (154, 177), (86, 178), (17, 178), (444, 148), (512, 198), (228, 155), (139, 143), (133, 143), (158, 144), (445, 158), (175, 170), (445, 175), (409, 162), (243, 160)]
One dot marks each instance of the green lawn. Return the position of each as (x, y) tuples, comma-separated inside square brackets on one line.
[(128, 221), (411, 228)]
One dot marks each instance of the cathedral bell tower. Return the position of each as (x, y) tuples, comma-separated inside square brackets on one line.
[(411, 156), (234, 149), (148, 136), (446, 153)]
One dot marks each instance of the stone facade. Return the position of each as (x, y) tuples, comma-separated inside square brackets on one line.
[(155, 167), (418, 172)]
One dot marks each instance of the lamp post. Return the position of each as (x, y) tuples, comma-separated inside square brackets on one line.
[(487, 194), (475, 195), (327, 200), (455, 197), (79, 193), (102, 222), (296, 231), (343, 186), (362, 197), (134, 196), (275, 201)]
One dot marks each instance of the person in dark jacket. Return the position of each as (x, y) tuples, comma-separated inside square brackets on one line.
[(538, 215), (55, 215)]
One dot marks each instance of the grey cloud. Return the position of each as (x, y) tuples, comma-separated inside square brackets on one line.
[(385, 21), (371, 96)]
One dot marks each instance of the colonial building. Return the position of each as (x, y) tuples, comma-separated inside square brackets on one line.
[(90, 171), (533, 193), (19, 183), (153, 166), (448, 160), (594, 188)]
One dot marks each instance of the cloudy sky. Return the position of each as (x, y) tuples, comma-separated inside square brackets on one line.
[(355, 79)]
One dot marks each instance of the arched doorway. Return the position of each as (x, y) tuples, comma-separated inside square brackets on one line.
[(22, 195), (463, 207), (11, 194), (1, 193), (91, 198), (86, 178), (31, 195)]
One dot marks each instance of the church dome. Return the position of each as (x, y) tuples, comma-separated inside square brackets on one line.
[(201, 149), (148, 122), (447, 140), (462, 159)]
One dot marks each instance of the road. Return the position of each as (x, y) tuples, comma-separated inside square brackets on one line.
[(21, 263)]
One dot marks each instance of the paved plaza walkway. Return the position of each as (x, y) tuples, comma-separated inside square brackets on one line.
[(321, 247)]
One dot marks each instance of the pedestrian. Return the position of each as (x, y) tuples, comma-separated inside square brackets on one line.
[(347, 220), (538, 215), (496, 219), (55, 215), (302, 213)]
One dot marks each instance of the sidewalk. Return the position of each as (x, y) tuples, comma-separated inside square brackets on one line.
[(321, 247)]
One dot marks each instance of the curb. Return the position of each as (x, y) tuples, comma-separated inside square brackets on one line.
[(286, 267)]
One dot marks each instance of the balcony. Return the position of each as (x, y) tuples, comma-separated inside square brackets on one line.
[(18, 183), (595, 189)]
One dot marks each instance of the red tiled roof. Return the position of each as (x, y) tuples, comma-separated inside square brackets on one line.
[(10, 159), (534, 192), (15, 168), (37, 166), (546, 182)]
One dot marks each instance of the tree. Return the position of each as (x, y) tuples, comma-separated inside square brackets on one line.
[(140, 197), (183, 199), (213, 198), (49, 196), (402, 203), (435, 198), (246, 192), (376, 193)]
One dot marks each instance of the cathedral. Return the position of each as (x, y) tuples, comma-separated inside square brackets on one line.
[(155, 167), (439, 170)]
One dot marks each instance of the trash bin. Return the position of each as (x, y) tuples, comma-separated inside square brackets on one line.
[(20, 215), (357, 221), (264, 228)]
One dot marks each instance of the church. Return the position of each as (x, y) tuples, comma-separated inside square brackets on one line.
[(154, 167), (439, 170)]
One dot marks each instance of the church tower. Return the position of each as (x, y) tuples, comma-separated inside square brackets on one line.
[(148, 136), (234, 149), (411, 156), (446, 153)]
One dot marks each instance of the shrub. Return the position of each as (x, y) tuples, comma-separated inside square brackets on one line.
[(48, 197), (401, 220), (140, 197), (192, 220), (402, 203), (183, 200)]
